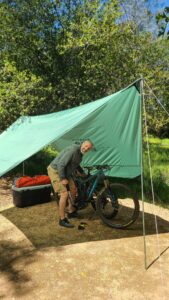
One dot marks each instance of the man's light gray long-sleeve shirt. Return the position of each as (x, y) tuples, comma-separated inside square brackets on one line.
[(67, 161)]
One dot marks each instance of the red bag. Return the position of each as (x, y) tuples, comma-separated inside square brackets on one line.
[(31, 181)]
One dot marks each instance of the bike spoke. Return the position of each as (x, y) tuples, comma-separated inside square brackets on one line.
[(117, 207)]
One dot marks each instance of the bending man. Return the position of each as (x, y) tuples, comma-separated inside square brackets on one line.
[(60, 172)]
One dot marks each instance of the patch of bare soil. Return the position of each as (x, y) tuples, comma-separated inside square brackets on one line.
[(5, 193), (39, 223)]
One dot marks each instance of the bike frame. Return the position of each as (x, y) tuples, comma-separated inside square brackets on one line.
[(93, 180)]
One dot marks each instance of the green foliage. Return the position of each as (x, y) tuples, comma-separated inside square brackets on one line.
[(139, 12), (28, 34), (162, 19), (62, 54), (36, 164), (159, 154), (159, 157), (21, 93)]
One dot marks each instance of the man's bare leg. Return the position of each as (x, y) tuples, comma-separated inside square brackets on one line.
[(62, 204), (71, 208)]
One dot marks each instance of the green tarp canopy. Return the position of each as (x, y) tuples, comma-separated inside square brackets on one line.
[(112, 123)]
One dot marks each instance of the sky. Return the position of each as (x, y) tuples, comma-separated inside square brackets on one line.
[(161, 4), (142, 19), (158, 4)]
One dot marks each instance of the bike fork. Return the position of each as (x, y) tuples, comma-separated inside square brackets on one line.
[(113, 199), (106, 183)]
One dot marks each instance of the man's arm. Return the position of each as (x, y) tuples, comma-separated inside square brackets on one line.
[(80, 170)]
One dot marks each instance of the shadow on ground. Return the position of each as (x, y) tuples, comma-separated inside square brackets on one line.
[(13, 261), (40, 225)]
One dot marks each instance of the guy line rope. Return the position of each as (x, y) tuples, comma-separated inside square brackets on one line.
[(152, 189)]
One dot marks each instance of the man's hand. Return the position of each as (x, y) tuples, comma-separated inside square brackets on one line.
[(64, 181), (80, 174)]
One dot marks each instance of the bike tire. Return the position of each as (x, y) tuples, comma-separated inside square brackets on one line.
[(117, 197)]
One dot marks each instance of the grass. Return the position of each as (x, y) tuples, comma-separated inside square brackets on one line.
[(159, 154)]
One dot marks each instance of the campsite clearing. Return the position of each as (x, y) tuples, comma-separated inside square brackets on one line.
[(41, 260)]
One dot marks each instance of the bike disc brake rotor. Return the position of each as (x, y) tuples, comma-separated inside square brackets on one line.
[(118, 206), (109, 205)]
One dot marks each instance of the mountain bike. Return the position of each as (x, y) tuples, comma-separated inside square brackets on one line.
[(115, 203)]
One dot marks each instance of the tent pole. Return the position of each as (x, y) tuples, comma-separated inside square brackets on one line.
[(23, 168), (142, 170), (152, 189)]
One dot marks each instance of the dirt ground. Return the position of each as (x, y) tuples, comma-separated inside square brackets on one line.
[(39, 259)]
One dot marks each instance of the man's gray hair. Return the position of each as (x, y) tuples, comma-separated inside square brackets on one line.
[(88, 141)]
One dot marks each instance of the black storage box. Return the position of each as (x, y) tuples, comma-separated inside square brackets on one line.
[(31, 195)]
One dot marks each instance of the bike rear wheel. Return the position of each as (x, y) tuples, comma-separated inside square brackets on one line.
[(117, 206)]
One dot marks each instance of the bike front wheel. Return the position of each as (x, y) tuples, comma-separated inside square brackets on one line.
[(117, 206)]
